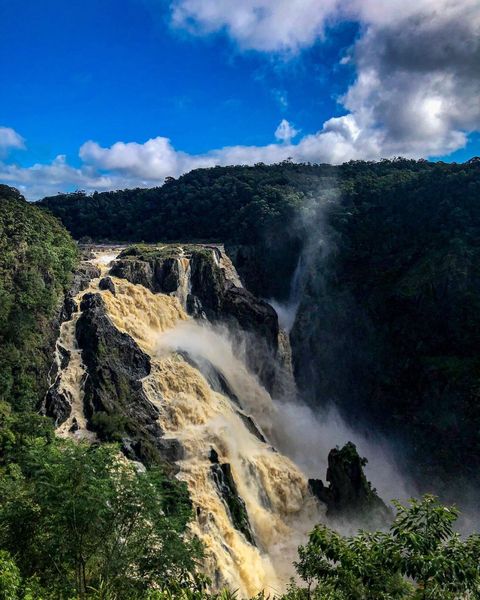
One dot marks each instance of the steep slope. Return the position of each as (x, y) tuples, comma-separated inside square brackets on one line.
[(37, 256), (387, 328)]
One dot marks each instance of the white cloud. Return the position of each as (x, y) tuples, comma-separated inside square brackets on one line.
[(267, 25), (415, 93), (44, 179), (285, 131), (131, 164), (418, 65), (9, 139)]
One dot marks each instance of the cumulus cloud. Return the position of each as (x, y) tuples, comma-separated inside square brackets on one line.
[(415, 92), (132, 164), (418, 65), (42, 179), (265, 25)]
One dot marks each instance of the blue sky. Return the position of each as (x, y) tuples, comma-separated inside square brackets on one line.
[(87, 84)]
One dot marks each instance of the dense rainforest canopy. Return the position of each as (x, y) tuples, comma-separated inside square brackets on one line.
[(237, 204)]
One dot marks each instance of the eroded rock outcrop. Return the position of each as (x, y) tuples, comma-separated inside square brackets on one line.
[(81, 280), (349, 495), (115, 403), (57, 403), (227, 488)]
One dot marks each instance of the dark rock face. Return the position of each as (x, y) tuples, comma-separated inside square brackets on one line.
[(82, 277), (106, 283), (57, 405), (137, 272), (195, 308), (211, 292), (349, 495), (69, 308), (221, 300), (81, 280), (158, 274), (212, 296), (115, 403), (252, 426), (227, 488)]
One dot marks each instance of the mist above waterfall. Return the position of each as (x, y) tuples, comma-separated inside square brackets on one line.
[(305, 435)]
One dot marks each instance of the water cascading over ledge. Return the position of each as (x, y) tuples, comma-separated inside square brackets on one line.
[(138, 369)]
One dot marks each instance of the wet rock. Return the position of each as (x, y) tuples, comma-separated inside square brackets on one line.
[(350, 495), (74, 426), (80, 282), (137, 272), (64, 356), (172, 449), (116, 405), (157, 274), (107, 284), (57, 405), (252, 426), (223, 478), (82, 277), (214, 294), (60, 365), (70, 307), (213, 456), (195, 308)]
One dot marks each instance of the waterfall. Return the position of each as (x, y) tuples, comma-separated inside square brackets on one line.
[(237, 423), (70, 372), (287, 311), (185, 284), (230, 430)]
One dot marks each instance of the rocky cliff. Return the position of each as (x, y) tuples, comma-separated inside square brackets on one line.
[(207, 284)]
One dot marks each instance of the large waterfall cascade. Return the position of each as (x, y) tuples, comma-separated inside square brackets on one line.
[(242, 429)]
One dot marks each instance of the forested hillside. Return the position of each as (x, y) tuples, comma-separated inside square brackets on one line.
[(37, 256), (388, 327)]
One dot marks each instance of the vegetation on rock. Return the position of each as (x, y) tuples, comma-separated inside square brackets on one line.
[(78, 521)]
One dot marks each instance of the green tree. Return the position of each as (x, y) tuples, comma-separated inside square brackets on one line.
[(80, 518), (9, 577), (419, 557)]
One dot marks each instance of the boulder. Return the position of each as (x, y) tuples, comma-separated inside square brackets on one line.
[(107, 284)]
